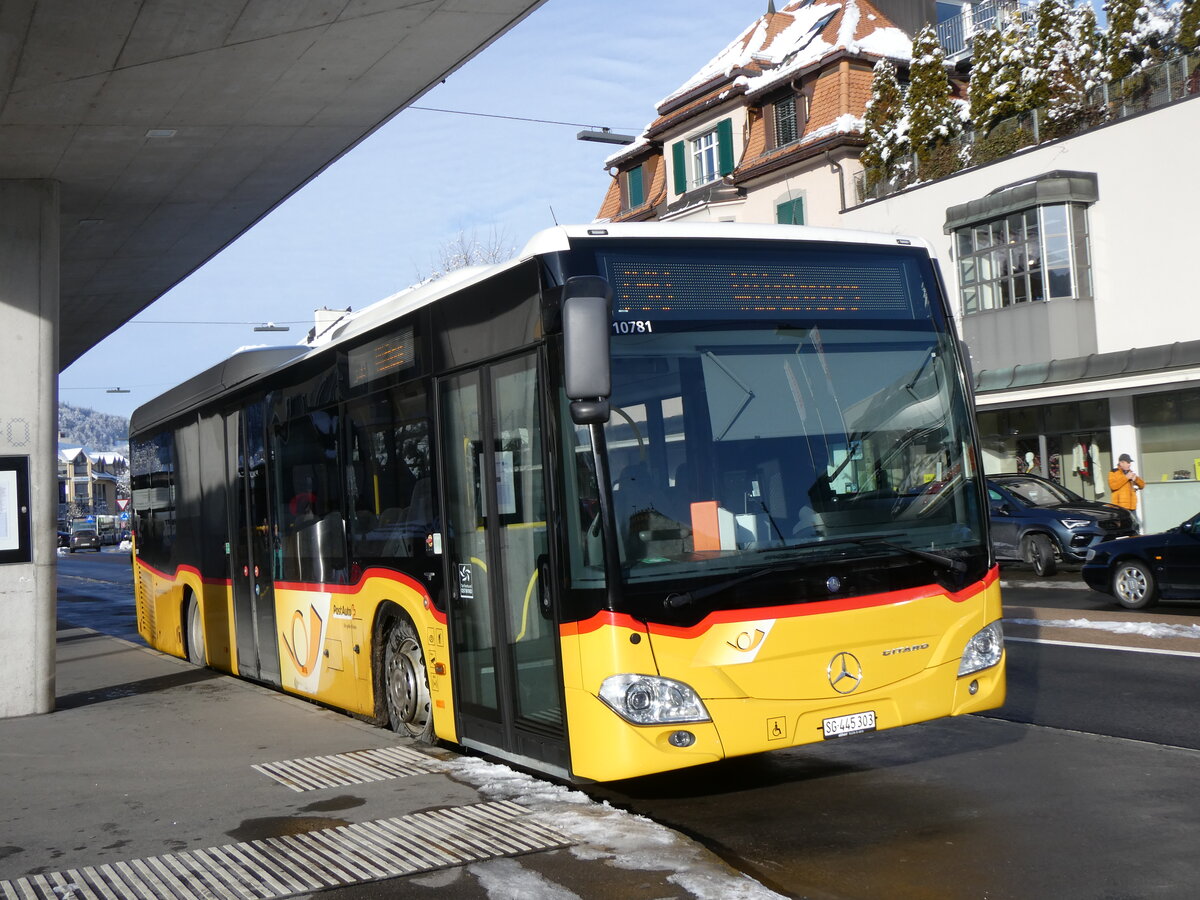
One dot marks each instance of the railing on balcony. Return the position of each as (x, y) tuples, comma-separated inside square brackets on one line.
[(957, 34)]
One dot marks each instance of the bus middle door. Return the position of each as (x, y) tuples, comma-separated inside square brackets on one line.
[(252, 548), (507, 677)]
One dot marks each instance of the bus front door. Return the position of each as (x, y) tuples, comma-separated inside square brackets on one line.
[(251, 549), (508, 687)]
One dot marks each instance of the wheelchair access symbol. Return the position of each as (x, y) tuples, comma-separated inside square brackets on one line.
[(466, 589)]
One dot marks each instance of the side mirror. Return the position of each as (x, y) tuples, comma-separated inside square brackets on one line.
[(587, 323)]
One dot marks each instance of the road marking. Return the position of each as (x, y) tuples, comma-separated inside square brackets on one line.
[(356, 767), (1025, 640), (303, 863), (1005, 584)]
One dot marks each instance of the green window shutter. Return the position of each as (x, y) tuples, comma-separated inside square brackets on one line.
[(637, 194), (725, 146), (679, 161), (790, 212)]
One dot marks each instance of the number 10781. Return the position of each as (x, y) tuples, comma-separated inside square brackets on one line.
[(640, 326)]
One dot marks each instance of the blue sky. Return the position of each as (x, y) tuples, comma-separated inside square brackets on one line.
[(374, 222)]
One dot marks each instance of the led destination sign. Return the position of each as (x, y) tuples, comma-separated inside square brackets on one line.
[(867, 283), (394, 353)]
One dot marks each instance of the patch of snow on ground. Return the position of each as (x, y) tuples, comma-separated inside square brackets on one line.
[(507, 879), (1146, 629), (624, 839)]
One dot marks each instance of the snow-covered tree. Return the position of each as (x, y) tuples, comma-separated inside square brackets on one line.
[(1010, 83), (934, 119), (1089, 47), (984, 68), (1066, 62), (1139, 35), (884, 127), (468, 249), (1187, 36)]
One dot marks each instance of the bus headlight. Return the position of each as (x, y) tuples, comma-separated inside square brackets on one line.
[(983, 650), (650, 700)]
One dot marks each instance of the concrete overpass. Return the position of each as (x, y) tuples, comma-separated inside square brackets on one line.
[(137, 139)]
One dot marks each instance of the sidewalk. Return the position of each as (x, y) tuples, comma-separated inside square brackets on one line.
[(156, 779)]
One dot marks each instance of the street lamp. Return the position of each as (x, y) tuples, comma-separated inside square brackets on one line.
[(271, 326), (604, 136)]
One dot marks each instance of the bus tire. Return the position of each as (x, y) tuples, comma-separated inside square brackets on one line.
[(195, 634), (406, 683)]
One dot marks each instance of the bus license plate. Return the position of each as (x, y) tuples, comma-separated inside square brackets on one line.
[(855, 723)]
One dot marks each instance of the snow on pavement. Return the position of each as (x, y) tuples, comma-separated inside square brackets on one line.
[(624, 840), (1145, 629)]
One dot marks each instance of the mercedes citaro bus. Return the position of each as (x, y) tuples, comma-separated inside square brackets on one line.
[(646, 497)]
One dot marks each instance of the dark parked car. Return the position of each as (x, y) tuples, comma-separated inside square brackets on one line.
[(1041, 522), (1139, 570), (64, 539), (85, 539)]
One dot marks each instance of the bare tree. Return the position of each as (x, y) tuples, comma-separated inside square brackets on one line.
[(468, 249)]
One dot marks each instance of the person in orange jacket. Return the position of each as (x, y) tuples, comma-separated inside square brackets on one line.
[(1124, 484)]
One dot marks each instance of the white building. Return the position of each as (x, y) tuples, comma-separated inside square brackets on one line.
[(1070, 269)]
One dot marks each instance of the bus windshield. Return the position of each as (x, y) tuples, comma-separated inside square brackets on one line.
[(737, 442)]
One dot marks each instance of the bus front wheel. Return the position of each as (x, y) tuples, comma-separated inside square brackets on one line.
[(195, 634), (406, 684)]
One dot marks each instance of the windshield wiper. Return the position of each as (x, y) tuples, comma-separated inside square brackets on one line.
[(687, 598), (946, 562)]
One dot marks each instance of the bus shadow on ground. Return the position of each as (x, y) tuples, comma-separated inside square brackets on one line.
[(135, 688), (865, 753)]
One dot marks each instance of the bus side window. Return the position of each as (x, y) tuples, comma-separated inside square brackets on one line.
[(389, 476), (310, 540)]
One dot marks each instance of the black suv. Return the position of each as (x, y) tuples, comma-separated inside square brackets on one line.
[(1040, 522)]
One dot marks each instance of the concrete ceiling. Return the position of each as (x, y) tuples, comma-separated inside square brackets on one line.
[(174, 125)]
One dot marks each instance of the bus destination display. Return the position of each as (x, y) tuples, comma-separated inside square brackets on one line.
[(643, 285), (392, 354)]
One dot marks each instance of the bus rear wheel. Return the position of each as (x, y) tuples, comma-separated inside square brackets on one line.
[(406, 683), (195, 634)]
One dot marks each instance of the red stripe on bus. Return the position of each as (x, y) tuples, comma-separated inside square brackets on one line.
[(217, 581), (729, 616), (387, 574)]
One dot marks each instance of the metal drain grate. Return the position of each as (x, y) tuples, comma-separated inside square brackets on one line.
[(280, 867), (356, 767)]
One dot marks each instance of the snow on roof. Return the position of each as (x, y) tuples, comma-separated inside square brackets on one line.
[(778, 45), (883, 41)]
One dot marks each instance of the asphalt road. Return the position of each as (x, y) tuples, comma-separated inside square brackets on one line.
[(1085, 784)]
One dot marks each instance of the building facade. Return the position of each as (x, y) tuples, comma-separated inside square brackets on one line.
[(90, 483), (1069, 269), (770, 129)]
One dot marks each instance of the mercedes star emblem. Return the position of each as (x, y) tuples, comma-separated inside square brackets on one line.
[(845, 672)]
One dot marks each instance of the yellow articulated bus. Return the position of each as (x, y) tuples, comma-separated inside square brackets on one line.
[(645, 497)]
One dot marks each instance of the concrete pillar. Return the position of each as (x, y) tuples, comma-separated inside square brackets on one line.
[(1125, 438), (1123, 432), (29, 263)]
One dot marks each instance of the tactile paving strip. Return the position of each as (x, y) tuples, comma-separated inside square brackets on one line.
[(302, 863), (357, 767)]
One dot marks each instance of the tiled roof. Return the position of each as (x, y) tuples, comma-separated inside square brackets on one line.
[(779, 45), (828, 46)]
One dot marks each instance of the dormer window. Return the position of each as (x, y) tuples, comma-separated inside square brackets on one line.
[(787, 127), (635, 187), (702, 158)]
